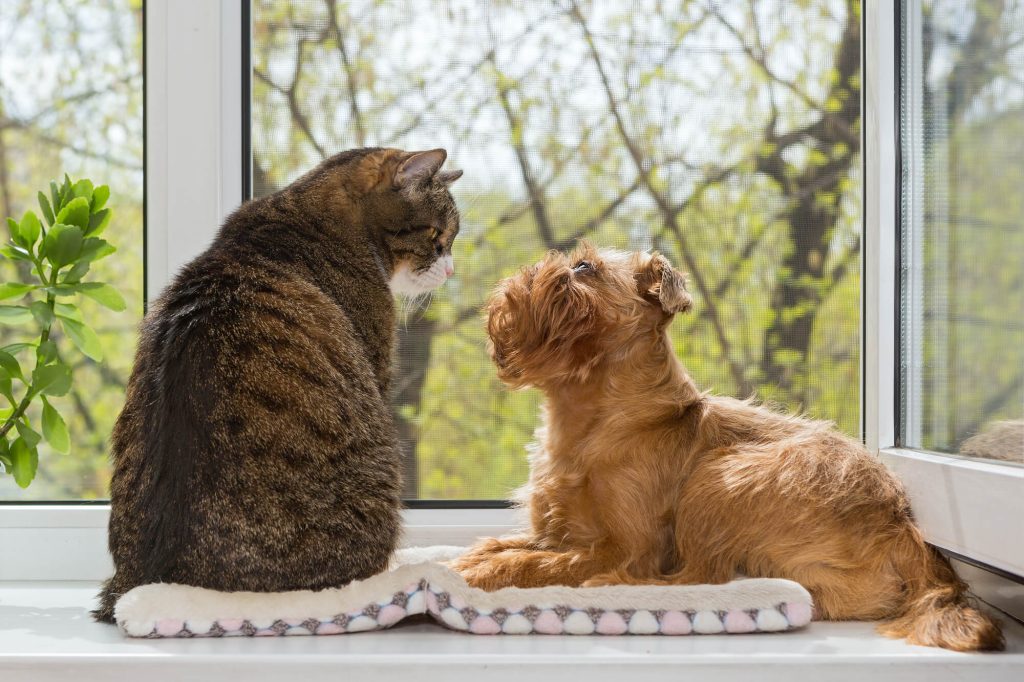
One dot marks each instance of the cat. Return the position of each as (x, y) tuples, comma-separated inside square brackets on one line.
[(256, 449)]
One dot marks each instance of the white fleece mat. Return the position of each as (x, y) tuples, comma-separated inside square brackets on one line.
[(417, 584)]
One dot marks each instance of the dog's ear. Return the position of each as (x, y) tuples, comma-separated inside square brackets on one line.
[(662, 284)]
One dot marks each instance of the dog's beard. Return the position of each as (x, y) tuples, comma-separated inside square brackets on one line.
[(410, 283)]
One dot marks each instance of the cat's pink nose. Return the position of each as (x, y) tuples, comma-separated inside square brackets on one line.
[(449, 270)]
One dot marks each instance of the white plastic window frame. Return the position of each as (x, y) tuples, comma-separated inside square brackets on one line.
[(970, 507), (194, 179)]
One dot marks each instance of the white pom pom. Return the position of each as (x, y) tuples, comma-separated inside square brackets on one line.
[(453, 619), (770, 620), (578, 623), (707, 623), (643, 623), (517, 624)]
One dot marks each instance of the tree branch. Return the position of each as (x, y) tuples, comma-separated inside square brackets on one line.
[(669, 213)]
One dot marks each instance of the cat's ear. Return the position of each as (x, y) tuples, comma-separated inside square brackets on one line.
[(419, 166), (448, 177)]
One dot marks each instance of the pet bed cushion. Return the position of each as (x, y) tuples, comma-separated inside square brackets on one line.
[(417, 583)]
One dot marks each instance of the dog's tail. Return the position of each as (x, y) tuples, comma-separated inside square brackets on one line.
[(935, 610)]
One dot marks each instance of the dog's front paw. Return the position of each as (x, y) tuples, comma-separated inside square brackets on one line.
[(481, 572)]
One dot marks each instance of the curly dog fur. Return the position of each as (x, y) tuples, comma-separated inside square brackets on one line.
[(640, 477)]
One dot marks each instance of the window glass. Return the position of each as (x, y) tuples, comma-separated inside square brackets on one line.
[(962, 131), (71, 102), (724, 134)]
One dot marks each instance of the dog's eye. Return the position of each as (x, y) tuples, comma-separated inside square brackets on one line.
[(583, 266)]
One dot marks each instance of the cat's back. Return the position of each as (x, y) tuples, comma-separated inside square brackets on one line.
[(251, 400)]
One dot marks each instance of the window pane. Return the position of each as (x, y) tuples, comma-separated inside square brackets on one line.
[(727, 139), (71, 102), (962, 123)]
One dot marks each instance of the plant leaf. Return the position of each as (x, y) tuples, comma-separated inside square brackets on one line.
[(15, 230), (55, 431), (94, 249), (98, 222), (30, 435), (83, 188), (42, 313), (84, 337), (13, 348), (30, 229), (10, 365), (77, 271), (99, 197), (51, 379), (68, 311), (63, 243), (16, 253), (5, 456), (25, 461), (46, 352), (55, 196), (75, 213), (15, 314), (104, 294), (44, 206), (14, 290)]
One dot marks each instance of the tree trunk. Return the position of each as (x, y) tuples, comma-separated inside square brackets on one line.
[(414, 342), (802, 281)]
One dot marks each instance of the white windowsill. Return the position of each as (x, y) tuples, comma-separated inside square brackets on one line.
[(968, 506), (46, 634)]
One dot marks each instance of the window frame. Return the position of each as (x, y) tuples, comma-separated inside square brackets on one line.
[(195, 83), (963, 505)]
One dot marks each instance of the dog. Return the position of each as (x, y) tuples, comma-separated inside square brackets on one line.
[(639, 477)]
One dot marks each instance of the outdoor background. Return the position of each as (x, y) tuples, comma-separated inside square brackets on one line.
[(724, 134)]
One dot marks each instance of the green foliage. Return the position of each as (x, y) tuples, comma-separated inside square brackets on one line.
[(56, 258)]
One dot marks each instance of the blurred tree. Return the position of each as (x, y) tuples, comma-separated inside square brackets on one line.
[(726, 134), (71, 101)]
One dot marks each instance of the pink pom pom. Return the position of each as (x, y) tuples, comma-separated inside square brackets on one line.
[(484, 625), (611, 623), (739, 621), (390, 614), (547, 623), (675, 623), (798, 614), (169, 627)]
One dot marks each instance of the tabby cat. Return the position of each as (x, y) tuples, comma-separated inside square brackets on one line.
[(256, 449)]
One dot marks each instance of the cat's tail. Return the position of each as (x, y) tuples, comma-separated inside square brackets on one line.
[(178, 437), (935, 611), (108, 596)]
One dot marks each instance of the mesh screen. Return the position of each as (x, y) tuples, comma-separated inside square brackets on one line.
[(962, 122), (726, 135)]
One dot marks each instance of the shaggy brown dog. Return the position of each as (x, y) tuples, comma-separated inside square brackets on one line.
[(639, 477)]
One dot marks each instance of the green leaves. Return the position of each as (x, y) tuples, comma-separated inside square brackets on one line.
[(14, 290), (30, 229), (9, 365), (84, 337), (60, 255), (104, 294), (44, 206), (25, 461), (14, 315), (55, 431), (75, 213), (63, 243), (51, 380)]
